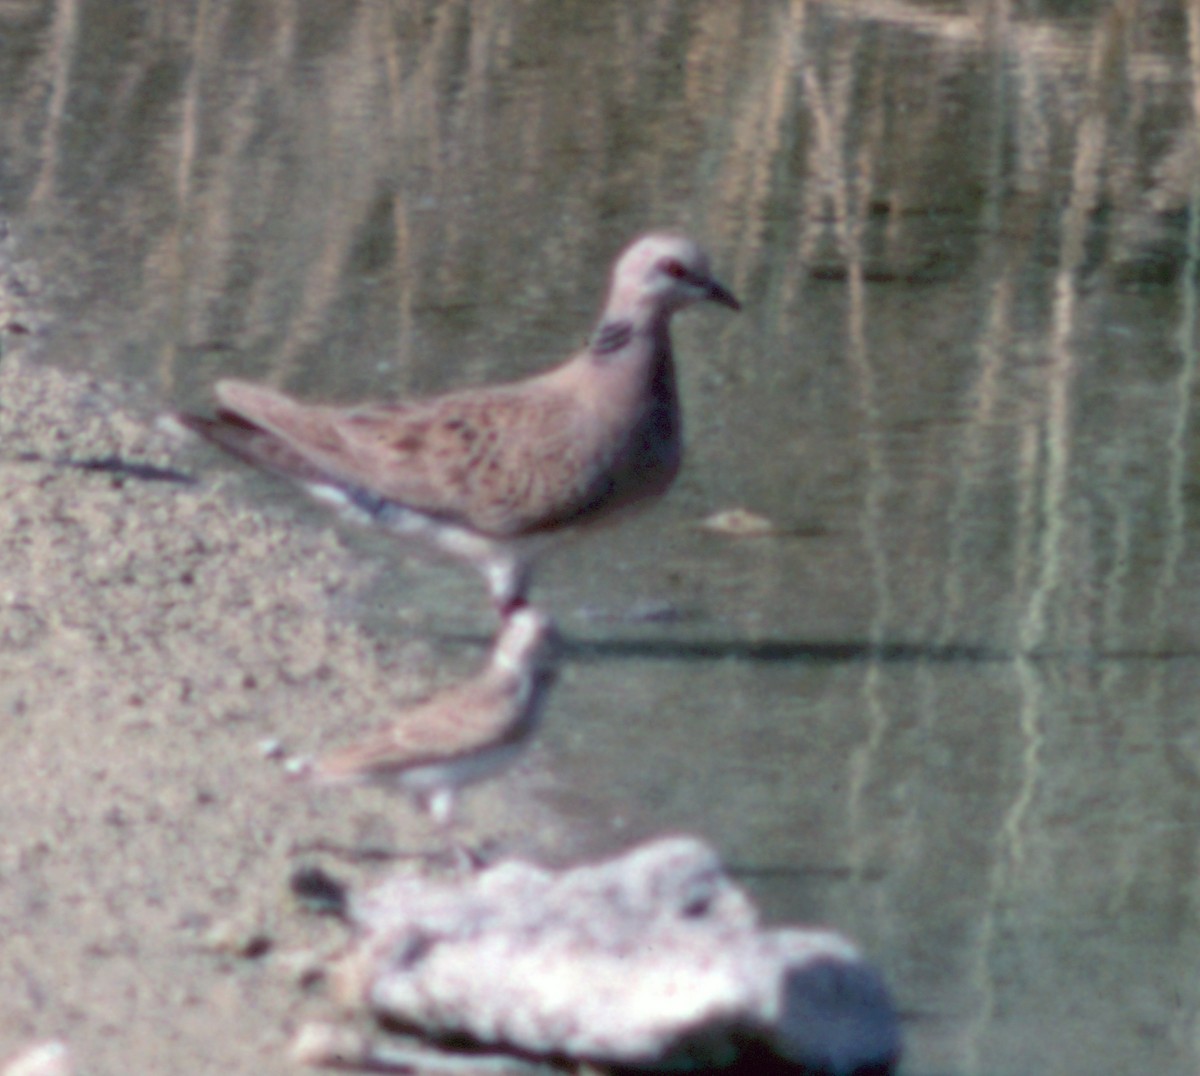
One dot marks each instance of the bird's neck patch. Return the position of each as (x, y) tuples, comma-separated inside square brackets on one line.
[(611, 336)]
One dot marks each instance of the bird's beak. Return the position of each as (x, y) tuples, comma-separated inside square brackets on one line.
[(718, 293)]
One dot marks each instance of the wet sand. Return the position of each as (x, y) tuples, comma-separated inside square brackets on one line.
[(153, 634)]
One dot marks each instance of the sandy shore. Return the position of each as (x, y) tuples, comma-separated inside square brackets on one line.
[(153, 634)]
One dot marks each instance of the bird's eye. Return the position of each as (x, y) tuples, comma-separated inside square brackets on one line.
[(675, 268)]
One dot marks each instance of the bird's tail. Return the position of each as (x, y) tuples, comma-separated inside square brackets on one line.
[(252, 444)]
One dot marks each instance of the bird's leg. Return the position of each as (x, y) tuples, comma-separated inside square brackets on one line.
[(507, 576)]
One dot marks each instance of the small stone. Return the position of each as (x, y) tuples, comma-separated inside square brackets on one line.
[(44, 1059), (247, 940), (739, 523), (271, 748), (319, 891), (303, 967), (320, 1044)]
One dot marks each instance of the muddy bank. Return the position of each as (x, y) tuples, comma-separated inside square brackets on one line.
[(153, 634)]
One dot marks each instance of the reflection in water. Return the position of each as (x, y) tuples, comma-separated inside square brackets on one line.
[(949, 705)]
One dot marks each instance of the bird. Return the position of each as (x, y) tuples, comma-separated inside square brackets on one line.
[(491, 473), (465, 733)]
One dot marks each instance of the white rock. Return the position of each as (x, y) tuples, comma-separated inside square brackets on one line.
[(652, 958)]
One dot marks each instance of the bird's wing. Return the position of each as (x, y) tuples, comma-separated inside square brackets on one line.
[(504, 460)]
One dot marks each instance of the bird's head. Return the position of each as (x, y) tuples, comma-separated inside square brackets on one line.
[(666, 273)]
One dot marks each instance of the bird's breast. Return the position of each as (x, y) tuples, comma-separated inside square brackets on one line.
[(630, 447)]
